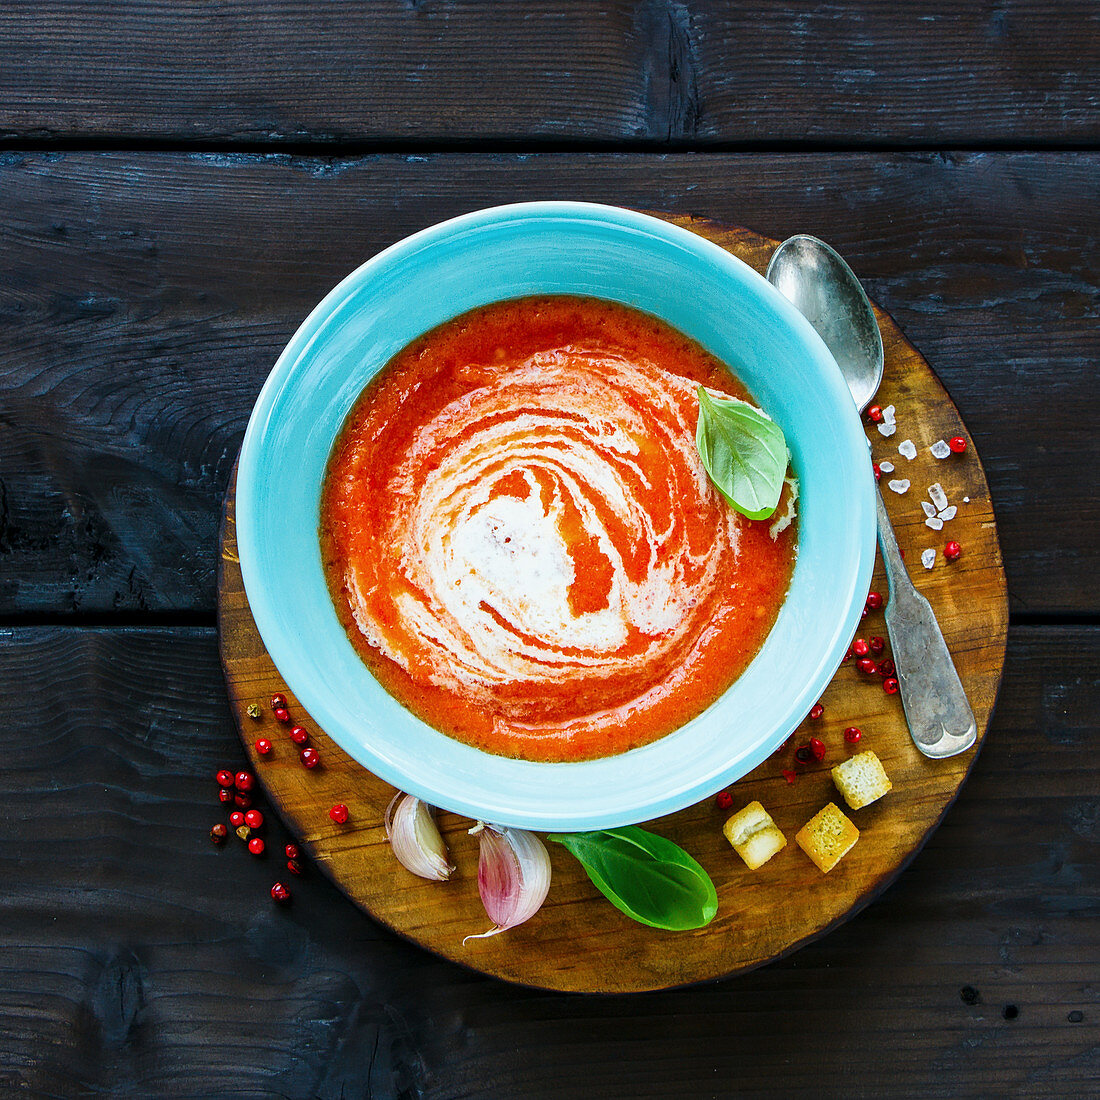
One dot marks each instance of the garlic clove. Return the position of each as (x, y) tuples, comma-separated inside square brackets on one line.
[(513, 875), (415, 838)]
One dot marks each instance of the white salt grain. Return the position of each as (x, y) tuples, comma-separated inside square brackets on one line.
[(888, 414), (887, 429), (886, 467), (934, 522), (948, 513), (928, 558), (939, 497), (929, 511), (907, 449), (966, 500), (900, 487), (940, 449)]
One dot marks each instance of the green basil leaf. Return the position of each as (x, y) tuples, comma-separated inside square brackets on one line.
[(744, 453), (648, 877)]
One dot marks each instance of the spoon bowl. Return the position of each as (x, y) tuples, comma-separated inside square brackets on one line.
[(823, 288)]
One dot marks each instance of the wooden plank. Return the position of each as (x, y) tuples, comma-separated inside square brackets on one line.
[(535, 71), (147, 297), (139, 959)]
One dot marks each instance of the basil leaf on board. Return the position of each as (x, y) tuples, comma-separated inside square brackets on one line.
[(648, 877), (744, 453)]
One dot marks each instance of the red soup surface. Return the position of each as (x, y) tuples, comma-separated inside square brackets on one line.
[(522, 542)]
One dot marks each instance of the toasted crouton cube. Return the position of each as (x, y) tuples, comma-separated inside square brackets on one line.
[(754, 835), (827, 837), (861, 779)]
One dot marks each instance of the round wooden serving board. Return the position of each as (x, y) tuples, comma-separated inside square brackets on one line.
[(578, 941)]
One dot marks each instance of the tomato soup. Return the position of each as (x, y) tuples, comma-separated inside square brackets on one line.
[(522, 542)]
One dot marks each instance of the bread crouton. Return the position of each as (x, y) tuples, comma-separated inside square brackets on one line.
[(827, 837), (861, 779), (754, 835)]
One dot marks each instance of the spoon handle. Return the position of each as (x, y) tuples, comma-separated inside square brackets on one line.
[(941, 722)]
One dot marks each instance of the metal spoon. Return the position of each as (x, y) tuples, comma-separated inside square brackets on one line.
[(813, 277)]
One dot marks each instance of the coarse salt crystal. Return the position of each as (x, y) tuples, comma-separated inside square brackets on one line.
[(939, 497), (940, 449), (966, 500), (934, 522), (886, 467), (929, 511), (907, 449), (888, 414), (928, 558), (948, 513), (899, 487), (887, 429)]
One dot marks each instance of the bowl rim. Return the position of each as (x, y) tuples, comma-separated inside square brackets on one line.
[(262, 602)]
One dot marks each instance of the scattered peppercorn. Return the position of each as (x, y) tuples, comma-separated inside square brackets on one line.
[(293, 866), (874, 414), (254, 711), (878, 471), (817, 710), (886, 668), (866, 665), (236, 819), (310, 758), (254, 819), (225, 795), (852, 734), (278, 701), (877, 644), (263, 746), (890, 686), (788, 775), (218, 833), (244, 832), (280, 893), (874, 600), (957, 444), (817, 747), (244, 781), (1010, 1012), (242, 800), (282, 714), (969, 995), (225, 778), (804, 754), (1076, 1016), (952, 551), (291, 851), (256, 846), (860, 648), (723, 800), (299, 735)]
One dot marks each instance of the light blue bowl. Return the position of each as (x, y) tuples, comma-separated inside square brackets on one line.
[(554, 248)]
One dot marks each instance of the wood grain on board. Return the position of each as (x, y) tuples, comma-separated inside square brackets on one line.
[(531, 72), (147, 296), (577, 941)]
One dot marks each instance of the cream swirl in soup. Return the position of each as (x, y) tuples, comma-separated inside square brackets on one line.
[(522, 540)]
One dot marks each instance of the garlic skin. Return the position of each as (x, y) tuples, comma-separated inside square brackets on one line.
[(415, 838), (513, 875)]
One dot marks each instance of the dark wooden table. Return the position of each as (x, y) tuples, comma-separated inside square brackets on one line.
[(180, 183)]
